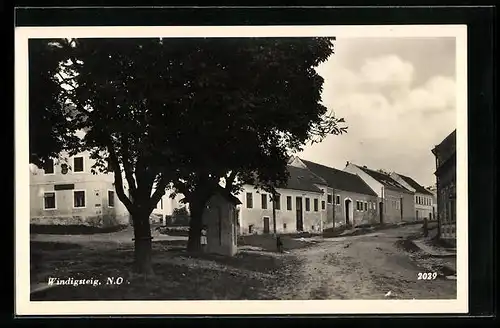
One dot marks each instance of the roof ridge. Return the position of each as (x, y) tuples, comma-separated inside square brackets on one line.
[(326, 166)]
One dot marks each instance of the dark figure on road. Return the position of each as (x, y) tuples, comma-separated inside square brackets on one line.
[(279, 244)]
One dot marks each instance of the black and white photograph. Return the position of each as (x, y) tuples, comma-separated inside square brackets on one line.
[(249, 165)]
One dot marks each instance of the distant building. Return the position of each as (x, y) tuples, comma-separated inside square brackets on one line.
[(300, 205), (350, 201), (395, 202), (433, 190), (446, 176), (423, 198), (65, 192)]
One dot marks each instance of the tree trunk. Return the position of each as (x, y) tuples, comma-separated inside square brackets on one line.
[(195, 225), (142, 244)]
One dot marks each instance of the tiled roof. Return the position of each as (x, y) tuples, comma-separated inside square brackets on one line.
[(340, 180), (384, 179), (414, 184), (303, 179)]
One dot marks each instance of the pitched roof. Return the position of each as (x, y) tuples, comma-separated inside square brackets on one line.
[(303, 179), (414, 184), (341, 180), (384, 179)]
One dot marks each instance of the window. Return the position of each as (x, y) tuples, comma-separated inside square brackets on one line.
[(374, 205), (249, 200), (49, 167), (323, 205), (284, 226), (315, 204), (277, 202), (111, 198), (288, 203), (49, 200), (250, 228), (79, 198), (308, 204), (337, 199), (78, 164), (358, 205), (366, 206), (263, 199), (330, 198)]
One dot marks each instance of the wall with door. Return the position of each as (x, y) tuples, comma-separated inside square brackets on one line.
[(256, 211), (363, 208)]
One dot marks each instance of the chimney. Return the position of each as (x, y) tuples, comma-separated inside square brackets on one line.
[(347, 163), (364, 166)]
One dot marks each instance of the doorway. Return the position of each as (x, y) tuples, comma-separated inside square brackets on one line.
[(381, 211), (299, 214), (347, 207), (266, 224)]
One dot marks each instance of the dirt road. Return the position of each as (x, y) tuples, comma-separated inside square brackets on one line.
[(360, 267)]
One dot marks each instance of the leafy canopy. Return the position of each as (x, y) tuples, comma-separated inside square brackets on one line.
[(183, 113)]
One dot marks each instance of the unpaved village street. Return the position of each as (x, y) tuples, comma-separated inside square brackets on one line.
[(361, 267), (351, 267)]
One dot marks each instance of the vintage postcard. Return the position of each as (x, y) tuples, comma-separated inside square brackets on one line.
[(241, 170)]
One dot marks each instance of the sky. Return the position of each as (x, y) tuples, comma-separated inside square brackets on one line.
[(397, 96)]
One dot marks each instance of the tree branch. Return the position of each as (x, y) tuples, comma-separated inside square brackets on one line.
[(127, 166), (159, 191), (120, 192), (230, 180)]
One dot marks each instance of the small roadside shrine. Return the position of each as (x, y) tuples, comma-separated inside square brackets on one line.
[(220, 218)]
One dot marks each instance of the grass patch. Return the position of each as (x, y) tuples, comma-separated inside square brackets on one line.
[(178, 274), (60, 229), (407, 245)]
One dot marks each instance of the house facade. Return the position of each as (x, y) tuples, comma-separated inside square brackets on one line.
[(300, 206), (445, 154), (395, 202), (423, 198), (350, 201), (66, 192)]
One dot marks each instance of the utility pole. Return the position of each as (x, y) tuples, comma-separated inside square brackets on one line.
[(274, 211)]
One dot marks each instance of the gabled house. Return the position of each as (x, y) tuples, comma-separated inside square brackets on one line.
[(66, 192), (446, 175), (350, 201), (423, 198), (300, 205), (395, 202)]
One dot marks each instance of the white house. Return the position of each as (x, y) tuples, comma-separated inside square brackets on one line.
[(423, 197)]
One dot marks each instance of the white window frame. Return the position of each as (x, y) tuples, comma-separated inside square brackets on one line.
[(114, 194), (246, 200), (53, 169), (55, 200), (83, 164), (84, 197)]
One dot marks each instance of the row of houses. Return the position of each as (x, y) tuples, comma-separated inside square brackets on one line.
[(315, 198), (318, 197)]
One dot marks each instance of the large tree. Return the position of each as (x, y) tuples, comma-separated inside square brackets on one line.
[(187, 114)]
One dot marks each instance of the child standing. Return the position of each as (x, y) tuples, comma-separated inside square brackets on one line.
[(203, 240)]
